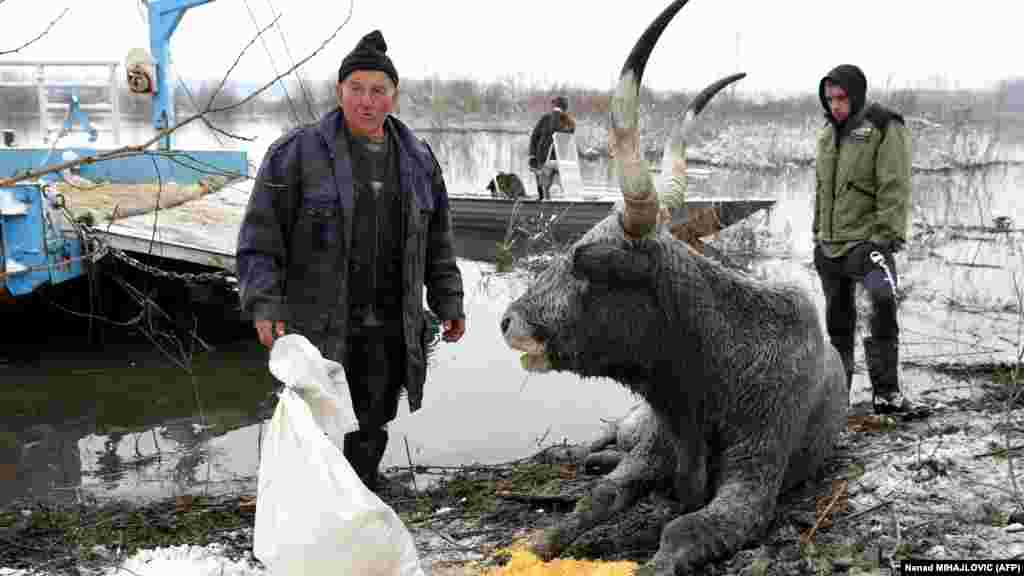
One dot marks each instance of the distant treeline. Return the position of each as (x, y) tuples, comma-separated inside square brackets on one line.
[(443, 102)]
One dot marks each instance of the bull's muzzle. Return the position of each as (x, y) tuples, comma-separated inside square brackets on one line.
[(520, 336)]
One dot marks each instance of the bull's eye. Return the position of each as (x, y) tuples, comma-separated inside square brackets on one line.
[(615, 265)]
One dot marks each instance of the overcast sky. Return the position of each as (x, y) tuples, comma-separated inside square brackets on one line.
[(785, 46)]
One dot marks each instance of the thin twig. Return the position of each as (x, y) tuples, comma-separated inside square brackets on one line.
[(408, 456), (874, 508), (224, 79), (537, 499), (290, 70), (999, 451), (37, 38), (302, 85), (453, 543)]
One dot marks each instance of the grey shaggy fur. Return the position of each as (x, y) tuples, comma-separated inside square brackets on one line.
[(746, 395)]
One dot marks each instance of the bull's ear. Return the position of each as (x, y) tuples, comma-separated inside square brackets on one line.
[(616, 265)]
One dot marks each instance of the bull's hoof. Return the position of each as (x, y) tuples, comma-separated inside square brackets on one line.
[(661, 565), (679, 562)]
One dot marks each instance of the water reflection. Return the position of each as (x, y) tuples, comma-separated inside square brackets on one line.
[(123, 420), (152, 430), (479, 405), (35, 460)]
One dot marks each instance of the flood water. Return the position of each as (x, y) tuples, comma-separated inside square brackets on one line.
[(123, 420)]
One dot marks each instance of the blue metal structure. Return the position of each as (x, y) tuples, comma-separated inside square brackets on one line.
[(164, 17), (76, 114), (35, 249), (187, 167), (37, 245)]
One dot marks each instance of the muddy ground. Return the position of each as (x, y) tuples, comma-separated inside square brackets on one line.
[(933, 488), (940, 487)]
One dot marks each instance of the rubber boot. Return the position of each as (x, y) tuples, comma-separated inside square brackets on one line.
[(883, 368), (364, 450), (376, 444), (882, 357)]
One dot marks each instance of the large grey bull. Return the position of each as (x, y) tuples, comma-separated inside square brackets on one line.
[(746, 395)]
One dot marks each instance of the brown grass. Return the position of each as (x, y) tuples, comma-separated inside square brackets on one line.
[(123, 200)]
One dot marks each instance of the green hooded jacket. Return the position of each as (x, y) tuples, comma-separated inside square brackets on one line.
[(862, 172)]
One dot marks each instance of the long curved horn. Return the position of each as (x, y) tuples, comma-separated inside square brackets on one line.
[(640, 213), (673, 160)]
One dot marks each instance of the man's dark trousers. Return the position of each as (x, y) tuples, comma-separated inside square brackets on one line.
[(874, 267), (374, 368)]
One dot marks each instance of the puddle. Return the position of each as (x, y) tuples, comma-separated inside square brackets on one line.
[(125, 422)]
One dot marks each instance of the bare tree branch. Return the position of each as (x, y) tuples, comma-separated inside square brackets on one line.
[(224, 132), (234, 65), (293, 68), (37, 38), (136, 149)]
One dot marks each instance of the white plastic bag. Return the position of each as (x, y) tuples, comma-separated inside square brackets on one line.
[(319, 381), (314, 517)]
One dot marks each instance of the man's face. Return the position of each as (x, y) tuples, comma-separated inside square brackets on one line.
[(366, 97), (838, 101)]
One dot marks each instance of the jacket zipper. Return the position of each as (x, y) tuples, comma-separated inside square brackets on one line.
[(835, 176)]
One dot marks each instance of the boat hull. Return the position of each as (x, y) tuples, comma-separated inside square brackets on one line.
[(567, 219)]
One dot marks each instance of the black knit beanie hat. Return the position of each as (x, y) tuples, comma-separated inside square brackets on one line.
[(369, 54)]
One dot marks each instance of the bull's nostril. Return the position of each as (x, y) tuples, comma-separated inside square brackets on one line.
[(504, 324)]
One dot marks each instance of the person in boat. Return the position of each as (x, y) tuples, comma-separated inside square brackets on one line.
[(347, 223), (861, 217), (541, 139)]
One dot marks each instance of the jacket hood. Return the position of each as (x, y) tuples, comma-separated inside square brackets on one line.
[(852, 79)]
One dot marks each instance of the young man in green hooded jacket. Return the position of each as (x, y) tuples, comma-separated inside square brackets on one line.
[(861, 216)]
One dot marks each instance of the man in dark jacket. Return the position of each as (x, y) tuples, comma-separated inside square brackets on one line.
[(347, 222), (541, 139), (861, 216)]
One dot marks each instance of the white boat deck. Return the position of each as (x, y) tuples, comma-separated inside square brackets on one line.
[(202, 231)]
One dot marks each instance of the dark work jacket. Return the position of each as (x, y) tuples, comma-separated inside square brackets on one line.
[(294, 241), (542, 136)]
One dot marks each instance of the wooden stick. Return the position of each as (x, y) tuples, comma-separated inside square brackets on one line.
[(408, 455), (824, 514), (538, 499)]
